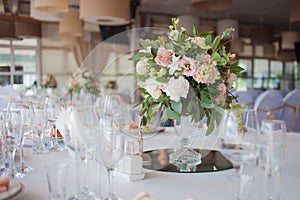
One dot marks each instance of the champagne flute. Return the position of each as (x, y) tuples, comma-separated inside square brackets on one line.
[(238, 141), (13, 121), (28, 123), (272, 153), (40, 111), (112, 106)]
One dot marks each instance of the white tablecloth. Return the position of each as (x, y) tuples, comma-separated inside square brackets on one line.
[(165, 185)]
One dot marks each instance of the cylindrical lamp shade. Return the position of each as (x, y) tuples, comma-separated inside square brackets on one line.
[(55, 6), (224, 24), (105, 12), (262, 35), (187, 22), (43, 16), (70, 25), (294, 12), (212, 5), (288, 40)]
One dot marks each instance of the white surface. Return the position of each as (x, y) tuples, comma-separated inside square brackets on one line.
[(163, 185)]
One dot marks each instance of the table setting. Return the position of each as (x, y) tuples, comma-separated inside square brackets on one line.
[(215, 148)]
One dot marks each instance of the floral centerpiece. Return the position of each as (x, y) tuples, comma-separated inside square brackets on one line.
[(83, 80), (186, 75), (48, 81)]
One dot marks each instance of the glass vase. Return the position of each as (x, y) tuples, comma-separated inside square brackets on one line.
[(185, 157)]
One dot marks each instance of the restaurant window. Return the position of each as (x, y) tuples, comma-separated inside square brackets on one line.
[(19, 62)]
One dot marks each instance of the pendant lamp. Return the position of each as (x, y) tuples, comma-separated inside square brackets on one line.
[(294, 12), (105, 12), (43, 16), (70, 25), (54, 6), (288, 39)]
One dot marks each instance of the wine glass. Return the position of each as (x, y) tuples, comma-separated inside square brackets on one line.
[(272, 144), (112, 150), (112, 105), (238, 141), (40, 111), (13, 121), (28, 123)]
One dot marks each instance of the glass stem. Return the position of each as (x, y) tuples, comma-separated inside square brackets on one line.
[(240, 188), (111, 194), (12, 153)]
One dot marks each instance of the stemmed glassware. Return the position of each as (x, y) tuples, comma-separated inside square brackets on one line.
[(272, 144), (28, 124), (13, 122), (113, 140), (41, 115), (238, 141), (53, 110)]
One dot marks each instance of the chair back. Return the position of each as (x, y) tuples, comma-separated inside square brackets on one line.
[(291, 114), (244, 98), (269, 105)]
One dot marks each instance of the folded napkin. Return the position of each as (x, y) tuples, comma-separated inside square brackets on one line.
[(142, 196)]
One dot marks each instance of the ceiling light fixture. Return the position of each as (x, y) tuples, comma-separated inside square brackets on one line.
[(212, 5), (104, 12), (54, 6), (288, 39), (43, 16), (71, 25)]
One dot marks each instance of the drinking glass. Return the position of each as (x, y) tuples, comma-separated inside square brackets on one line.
[(112, 105), (272, 152), (53, 110), (57, 180), (112, 150), (238, 141), (40, 111), (28, 123), (13, 121)]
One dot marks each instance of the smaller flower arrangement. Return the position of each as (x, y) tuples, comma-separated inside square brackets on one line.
[(48, 81), (83, 80)]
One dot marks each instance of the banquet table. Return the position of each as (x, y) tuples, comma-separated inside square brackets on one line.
[(165, 185)]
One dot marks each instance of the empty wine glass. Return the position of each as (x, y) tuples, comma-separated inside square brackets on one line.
[(238, 141), (28, 123), (112, 150), (13, 121), (112, 105), (40, 111)]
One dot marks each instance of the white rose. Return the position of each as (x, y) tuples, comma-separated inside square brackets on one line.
[(81, 81), (177, 88), (151, 85), (142, 67)]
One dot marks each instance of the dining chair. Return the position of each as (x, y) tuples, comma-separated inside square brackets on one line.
[(245, 98), (291, 114), (269, 105)]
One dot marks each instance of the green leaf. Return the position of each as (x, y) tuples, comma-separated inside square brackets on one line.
[(206, 101), (195, 30), (222, 61), (211, 127), (216, 57), (144, 121), (145, 43), (172, 115), (139, 55), (176, 106), (164, 116), (208, 40), (216, 42), (235, 68), (162, 79), (205, 33)]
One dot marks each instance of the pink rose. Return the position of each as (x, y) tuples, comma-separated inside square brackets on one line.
[(156, 93), (164, 57), (189, 65)]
